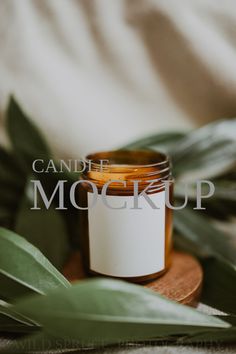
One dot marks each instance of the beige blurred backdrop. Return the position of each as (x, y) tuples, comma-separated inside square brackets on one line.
[(95, 74)]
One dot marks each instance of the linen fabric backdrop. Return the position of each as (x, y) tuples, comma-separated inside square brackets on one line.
[(95, 74)]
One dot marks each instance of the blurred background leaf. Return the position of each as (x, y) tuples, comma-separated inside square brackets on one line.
[(25, 138), (44, 228), (206, 152), (12, 186), (54, 232), (161, 141)]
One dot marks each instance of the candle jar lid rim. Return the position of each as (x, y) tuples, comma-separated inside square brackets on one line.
[(151, 158)]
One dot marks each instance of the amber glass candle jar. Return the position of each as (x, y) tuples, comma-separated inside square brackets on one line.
[(122, 237)]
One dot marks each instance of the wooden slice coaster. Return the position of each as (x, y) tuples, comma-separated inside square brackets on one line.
[(182, 282)]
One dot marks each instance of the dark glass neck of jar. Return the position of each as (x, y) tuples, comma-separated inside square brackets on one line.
[(144, 166)]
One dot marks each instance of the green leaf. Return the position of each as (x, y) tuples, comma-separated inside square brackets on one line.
[(161, 140), (70, 215), (25, 137), (206, 239), (219, 286), (104, 311), (11, 171), (214, 337), (11, 321), (196, 235), (211, 338), (45, 229), (203, 153), (220, 206), (24, 269), (12, 185), (224, 190), (206, 152)]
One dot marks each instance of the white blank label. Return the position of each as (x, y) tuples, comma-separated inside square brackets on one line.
[(127, 242)]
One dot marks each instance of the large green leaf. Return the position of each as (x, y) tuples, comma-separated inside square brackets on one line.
[(105, 311), (42, 342), (24, 269), (25, 137)]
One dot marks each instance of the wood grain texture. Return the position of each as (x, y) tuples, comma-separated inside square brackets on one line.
[(181, 283)]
